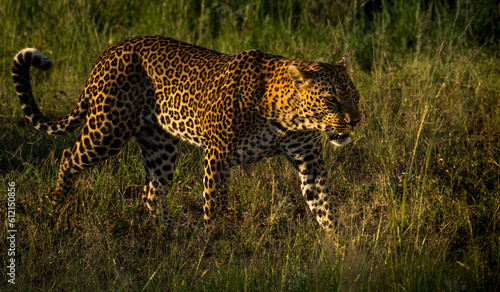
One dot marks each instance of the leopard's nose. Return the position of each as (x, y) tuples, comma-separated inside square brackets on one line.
[(353, 123), (352, 117)]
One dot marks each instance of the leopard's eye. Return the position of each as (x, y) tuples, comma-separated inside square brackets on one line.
[(332, 99)]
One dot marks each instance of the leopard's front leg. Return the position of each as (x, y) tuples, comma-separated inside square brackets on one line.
[(215, 188), (317, 194), (306, 157)]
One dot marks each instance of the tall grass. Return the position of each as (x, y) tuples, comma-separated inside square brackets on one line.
[(419, 186)]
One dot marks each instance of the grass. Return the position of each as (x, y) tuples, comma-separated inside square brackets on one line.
[(419, 186)]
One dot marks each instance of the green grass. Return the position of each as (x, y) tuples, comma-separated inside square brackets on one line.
[(419, 186)]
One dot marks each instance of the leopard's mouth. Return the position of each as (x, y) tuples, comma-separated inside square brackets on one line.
[(338, 139)]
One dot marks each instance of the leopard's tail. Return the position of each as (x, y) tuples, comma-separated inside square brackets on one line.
[(21, 74)]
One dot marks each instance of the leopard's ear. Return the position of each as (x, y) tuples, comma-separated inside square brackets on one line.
[(344, 62), (298, 77)]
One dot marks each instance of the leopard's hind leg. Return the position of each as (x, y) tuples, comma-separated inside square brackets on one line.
[(159, 153), (91, 148)]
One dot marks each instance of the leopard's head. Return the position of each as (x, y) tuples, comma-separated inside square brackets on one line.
[(328, 99)]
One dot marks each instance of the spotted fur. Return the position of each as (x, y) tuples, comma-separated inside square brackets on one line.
[(239, 108)]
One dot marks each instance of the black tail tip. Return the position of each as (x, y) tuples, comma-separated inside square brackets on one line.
[(41, 63), (33, 57)]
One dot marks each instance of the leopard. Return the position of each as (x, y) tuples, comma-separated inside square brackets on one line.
[(239, 108)]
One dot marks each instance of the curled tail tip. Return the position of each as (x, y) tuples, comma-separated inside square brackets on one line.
[(33, 57)]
